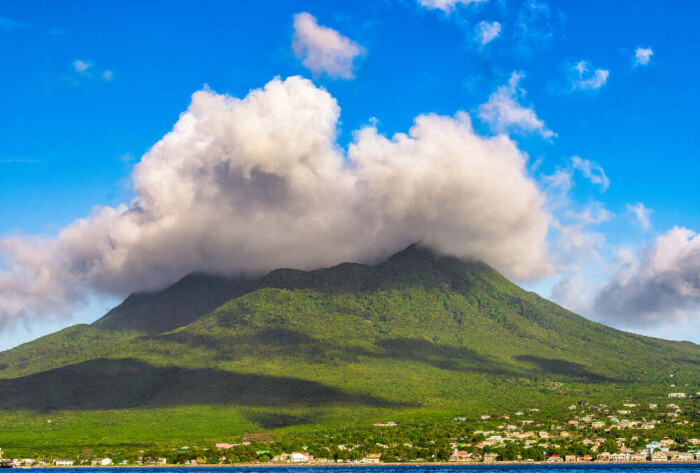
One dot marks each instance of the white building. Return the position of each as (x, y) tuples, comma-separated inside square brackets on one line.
[(101, 462), (297, 457), (63, 462)]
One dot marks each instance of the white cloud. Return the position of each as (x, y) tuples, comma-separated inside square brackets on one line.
[(487, 31), (503, 112), (660, 285), (641, 213), (248, 185), (592, 171), (447, 5), (81, 67), (642, 56), (84, 70), (322, 49), (584, 77)]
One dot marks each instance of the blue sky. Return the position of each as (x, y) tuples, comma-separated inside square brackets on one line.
[(89, 87)]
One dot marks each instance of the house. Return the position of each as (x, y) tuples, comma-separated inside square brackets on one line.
[(619, 457), (490, 458), (653, 406), (555, 459), (298, 457), (372, 458), (570, 458), (63, 462), (676, 395), (101, 462), (224, 446), (459, 456), (659, 457), (598, 424), (484, 417), (281, 458), (639, 457), (683, 457)]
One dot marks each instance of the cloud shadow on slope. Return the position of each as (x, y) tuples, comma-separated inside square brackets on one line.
[(563, 368), (129, 383)]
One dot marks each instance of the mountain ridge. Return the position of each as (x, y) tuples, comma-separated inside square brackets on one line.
[(416, 335)]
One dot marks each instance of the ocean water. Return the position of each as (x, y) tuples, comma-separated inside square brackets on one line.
[(574, 468)]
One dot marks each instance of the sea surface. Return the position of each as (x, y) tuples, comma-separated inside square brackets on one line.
[(575, 468)]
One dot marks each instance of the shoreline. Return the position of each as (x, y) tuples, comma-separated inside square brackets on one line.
[(373, 465)]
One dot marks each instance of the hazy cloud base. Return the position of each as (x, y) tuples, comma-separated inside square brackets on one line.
[(661, 284), (249, 185)]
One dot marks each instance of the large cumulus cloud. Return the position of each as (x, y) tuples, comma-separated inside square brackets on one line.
[(658, 286), (248, 185)]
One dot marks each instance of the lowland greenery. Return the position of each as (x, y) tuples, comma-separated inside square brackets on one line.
[(416, 339)]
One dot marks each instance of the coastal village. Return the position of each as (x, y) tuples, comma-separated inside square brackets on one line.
[(628, 432)]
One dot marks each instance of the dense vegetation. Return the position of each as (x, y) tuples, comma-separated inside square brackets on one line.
[(416, 338)]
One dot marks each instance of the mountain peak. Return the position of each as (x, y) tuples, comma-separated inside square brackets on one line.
[(414, 251)]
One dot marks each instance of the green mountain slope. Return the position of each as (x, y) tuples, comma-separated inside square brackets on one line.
[(180, 304), (417, 336)]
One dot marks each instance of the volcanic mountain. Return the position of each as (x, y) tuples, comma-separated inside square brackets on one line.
[(419, 336)]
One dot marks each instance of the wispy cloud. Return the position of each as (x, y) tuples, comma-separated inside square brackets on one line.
[(86, 70), (533, 27), (584, 77), (592, 214), (592, 171), (447, 6), (641, 213), (642, 56), (21, 161), (486, 31), (81, 67), (7, 25), (322, 49), (503, 112)]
